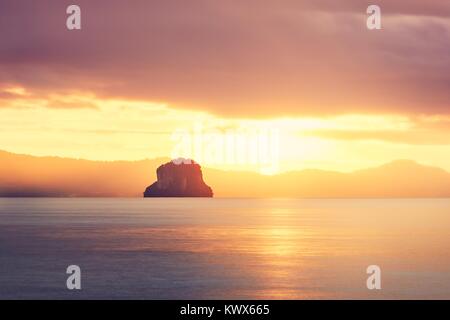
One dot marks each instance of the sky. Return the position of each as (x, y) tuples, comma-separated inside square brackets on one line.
[(281, 85)]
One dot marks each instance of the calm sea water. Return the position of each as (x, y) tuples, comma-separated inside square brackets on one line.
[(224, 248)]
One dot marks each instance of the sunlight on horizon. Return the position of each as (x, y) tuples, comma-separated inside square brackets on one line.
[(81, 125)]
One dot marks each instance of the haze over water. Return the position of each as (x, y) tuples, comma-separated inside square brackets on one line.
[(224, 248)]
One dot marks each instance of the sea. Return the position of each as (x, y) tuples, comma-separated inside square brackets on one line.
[(224, 248)]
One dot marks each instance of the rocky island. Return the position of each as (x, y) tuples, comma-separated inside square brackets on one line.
[(179, 178)]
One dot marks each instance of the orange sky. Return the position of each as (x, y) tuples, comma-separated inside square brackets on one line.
[(142, 78)]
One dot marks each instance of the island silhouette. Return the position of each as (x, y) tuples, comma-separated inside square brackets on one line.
[(179, 178)]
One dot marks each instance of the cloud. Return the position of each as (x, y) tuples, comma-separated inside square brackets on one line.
[(19, 97), (236, 58), (419, 130), (70, 104), (411, 137)]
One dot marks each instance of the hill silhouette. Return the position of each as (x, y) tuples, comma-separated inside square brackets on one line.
[(24, 175)]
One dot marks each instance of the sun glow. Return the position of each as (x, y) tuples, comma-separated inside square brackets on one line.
[(82, 125)]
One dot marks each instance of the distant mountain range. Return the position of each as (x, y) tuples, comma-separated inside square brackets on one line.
[(30, 176)]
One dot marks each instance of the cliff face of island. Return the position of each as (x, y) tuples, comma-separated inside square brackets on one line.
[(179, 179)]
